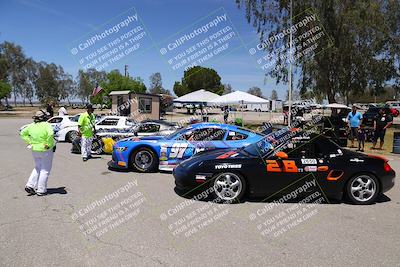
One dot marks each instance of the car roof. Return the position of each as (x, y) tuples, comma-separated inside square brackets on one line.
[(220, 126), (113, 117), (159, 122)]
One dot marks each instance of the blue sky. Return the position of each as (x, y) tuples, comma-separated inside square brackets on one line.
[(46, 29)]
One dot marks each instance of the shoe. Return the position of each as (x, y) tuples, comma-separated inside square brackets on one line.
[(30, 190), (89, 157), (84, 159), (362, 150), (40, 194)]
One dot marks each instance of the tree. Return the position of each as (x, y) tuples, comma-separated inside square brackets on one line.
[(179, 90), (274, 95), (67, 86), (115, 81), (84, 88), (359, 48), (196, 78), (227, 88), (255, 91), (86, 82), (156, 84), (47, 84), (15, 60), (295, 95), (31, 74), (5, 90)]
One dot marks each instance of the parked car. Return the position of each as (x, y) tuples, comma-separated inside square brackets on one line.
[(68, 134), (151, 153), (372, 112), (60, 122), (274, 168)]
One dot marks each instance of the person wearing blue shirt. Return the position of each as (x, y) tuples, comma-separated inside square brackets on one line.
[(354, 119)]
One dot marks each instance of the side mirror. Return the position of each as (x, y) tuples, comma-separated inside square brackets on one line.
[(281, 155)]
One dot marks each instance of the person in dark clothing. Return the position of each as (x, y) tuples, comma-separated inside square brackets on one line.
[(50, 110), (226, 114), (361, 138), (381, 122)]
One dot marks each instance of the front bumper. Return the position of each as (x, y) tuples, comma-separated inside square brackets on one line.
[(117, 166)]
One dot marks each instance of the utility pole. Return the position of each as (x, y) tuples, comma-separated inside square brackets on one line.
[(126, 71), (290, 67)]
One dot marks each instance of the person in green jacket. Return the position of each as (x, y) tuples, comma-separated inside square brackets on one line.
[(39, 136), (86, 128)]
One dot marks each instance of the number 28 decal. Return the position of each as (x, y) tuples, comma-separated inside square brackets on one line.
[(178, 150), (285, 166)]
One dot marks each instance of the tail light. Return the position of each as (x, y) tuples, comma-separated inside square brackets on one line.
[(387, 167)]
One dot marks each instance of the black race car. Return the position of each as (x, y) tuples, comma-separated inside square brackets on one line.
[(275, 164)]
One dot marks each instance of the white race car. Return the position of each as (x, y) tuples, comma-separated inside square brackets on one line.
[(68, 134), (60, 122)]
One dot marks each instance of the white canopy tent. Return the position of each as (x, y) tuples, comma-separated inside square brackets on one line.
[(238, 97), (336, 105), (199, 96)]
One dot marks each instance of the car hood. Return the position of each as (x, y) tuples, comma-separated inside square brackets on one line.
[(152, 139)]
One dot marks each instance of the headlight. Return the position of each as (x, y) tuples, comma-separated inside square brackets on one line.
[(121, 149)]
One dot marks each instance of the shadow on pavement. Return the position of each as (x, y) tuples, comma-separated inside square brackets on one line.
[(58, 190)]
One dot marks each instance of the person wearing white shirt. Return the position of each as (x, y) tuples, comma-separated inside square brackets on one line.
[(62, 111)]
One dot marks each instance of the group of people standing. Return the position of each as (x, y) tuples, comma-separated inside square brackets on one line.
[(39, 136), (357, 130)]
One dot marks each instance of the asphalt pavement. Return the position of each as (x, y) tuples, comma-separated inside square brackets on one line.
[(97, 217)]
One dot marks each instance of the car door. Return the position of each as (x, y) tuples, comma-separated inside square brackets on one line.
[(298, 165)]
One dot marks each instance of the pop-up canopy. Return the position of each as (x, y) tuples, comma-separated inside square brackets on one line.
[(199, 96), (238, 97)]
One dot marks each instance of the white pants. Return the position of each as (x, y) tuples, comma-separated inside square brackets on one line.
[(40, 174), (86, 146)]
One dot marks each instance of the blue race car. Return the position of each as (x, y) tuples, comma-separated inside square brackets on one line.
[(147, 154)]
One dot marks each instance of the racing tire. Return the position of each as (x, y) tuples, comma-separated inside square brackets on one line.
[(71, 136), (144, 160), (362, 189), (228, 187)]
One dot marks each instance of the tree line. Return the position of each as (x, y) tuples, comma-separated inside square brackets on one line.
[(362, 52), (21, 77)]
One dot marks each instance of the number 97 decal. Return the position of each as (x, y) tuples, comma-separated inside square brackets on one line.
[(178, 150), (285, 166)]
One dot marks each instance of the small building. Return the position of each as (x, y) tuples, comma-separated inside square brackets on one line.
[(139, 106)]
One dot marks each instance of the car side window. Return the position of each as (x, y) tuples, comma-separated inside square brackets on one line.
[(300, 149), (235, 136), (56, 120), (109, 122), (149, 128), (205, 134)]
